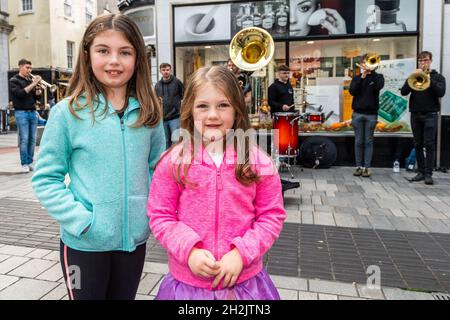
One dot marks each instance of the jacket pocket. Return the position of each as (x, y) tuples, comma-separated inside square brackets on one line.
[(138, 222), (105, 231)]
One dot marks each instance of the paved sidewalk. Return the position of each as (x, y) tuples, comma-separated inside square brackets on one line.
[(35, 274), (337, 227)]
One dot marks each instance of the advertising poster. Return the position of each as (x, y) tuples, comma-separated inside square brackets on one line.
[(326, 17), (381, 16), (268, 15), (393, 106), (202, 23), (285, 19)]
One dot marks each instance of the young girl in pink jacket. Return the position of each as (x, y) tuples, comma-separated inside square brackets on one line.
[(215, 201)]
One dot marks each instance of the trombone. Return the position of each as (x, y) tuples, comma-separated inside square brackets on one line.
[(419, 81), (372, 62), (51, 87)]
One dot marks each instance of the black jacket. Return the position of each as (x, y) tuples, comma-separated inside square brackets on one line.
[(366, 93), (20, 98), (171, 91), (427, 100), (280, 94)]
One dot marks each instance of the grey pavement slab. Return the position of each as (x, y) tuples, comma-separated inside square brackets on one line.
[(148, 283), (32, 268), (56, 294), (27, 289), (399, 294), (6, 281), (12, 263), (335, 288)]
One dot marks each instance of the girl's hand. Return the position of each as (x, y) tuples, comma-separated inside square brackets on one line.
[(202, 263), (230, 268), (334, 23)]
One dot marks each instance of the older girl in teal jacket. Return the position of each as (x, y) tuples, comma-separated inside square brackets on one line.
[(107, 136)]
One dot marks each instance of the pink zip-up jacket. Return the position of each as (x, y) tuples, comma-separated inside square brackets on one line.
[(218, 214)]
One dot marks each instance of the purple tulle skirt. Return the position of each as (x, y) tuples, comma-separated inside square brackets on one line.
[(260, 287)]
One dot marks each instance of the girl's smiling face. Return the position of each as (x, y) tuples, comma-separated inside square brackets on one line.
[(212, 113), (113, 59)]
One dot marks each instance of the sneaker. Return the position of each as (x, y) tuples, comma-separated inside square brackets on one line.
[(417, 177), (366, 173), (31, 167), (358, 172), (25, 169), (429, 180)]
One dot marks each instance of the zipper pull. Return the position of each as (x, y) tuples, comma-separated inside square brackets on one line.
[(219, 181)]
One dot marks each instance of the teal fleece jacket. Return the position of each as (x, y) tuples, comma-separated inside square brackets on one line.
[(110, 166)]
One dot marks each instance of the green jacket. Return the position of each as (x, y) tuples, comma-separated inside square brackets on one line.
[(110, 167)]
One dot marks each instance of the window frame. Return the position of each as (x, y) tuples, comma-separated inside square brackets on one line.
[(68, 8), (22, 4), (70, 50)]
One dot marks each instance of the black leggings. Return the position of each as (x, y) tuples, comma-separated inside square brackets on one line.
[(112, 275)]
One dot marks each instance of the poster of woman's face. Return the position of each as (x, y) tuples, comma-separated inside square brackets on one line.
[(321, 17)]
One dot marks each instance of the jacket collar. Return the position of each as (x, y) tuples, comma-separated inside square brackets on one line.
[(133, 104), (203, 157)]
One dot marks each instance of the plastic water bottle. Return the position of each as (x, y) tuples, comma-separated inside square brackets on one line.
[(396, 167)]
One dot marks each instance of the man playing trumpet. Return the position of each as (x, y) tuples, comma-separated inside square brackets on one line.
[(25, 90), (424, 105)]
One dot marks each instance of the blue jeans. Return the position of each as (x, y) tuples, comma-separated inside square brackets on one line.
[(26, 124), (170, 127), (364, 127)]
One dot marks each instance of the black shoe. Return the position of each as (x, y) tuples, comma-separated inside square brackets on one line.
[(358, 172), (417, 177), (429, 180), (288, 185)]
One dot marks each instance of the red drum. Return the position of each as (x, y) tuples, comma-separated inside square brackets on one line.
[(318, 117), (285, 125)]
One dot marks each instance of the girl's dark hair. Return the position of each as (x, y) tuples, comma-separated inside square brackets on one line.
[(84, 84)]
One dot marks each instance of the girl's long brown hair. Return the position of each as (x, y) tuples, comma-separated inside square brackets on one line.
[(83, 82), (225, 81)]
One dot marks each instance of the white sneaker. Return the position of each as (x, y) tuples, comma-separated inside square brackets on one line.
[(25, 169), (31, 167)]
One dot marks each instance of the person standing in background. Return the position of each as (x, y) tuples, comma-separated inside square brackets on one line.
[(281, 94), (170, 90)]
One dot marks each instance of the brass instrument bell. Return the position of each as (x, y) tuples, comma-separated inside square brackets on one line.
[(252, 49)]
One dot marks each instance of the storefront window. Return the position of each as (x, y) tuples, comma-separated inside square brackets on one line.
[(189, 59), (325, 69)]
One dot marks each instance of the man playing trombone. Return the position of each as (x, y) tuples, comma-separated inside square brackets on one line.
[(426, 87), (25, 90), (365, 90)]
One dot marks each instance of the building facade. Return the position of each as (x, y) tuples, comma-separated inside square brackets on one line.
[(5, 30), (48, 33), (107, 6)]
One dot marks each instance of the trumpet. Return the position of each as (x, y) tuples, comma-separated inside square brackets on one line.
[(51, 87)]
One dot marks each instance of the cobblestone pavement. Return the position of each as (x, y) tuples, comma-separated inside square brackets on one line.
[(337, 227)]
